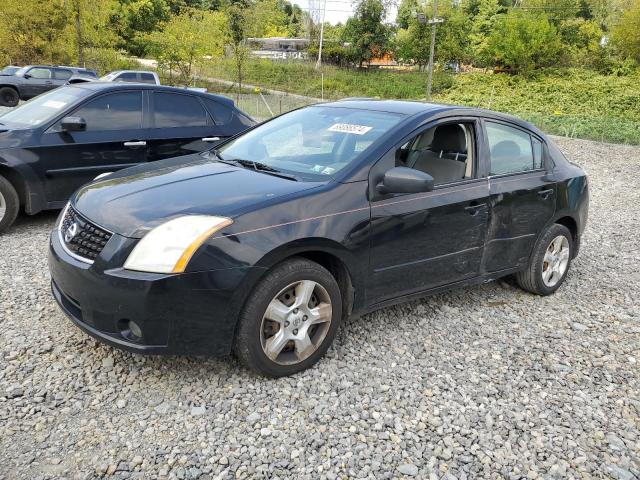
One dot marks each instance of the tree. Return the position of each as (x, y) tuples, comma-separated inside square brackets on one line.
[(32, 31), (626, 35), (237, 21), (368, 37), (482, 25), (135, 19), (524, 42), (581, 39), (186, 40)]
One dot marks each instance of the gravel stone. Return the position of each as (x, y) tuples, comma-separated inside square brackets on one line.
[(408, 469), (483, 382)]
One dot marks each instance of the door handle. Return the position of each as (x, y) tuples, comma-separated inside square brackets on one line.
[(135, 143), (473, 209), (545, 193), (211, 139)]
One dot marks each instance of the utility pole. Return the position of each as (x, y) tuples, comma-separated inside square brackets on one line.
[(434, 22), (324, 12)]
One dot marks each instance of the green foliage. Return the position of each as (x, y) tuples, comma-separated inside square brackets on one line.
[(185, 40), (26, 37), (524, 42), (365, 32), (135, 19), (626, 35), (482, 26)]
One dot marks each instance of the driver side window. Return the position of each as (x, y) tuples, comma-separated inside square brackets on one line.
[(114, 111), (444, 151)]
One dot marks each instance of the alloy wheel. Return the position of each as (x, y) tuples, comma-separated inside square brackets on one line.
[(296, 322), (3, 206), (555, 261)]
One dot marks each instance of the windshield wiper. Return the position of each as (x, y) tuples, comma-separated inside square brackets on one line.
[(263, 167)]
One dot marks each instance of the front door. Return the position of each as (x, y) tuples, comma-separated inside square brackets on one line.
[(38, 80), (180, 126), (114, 139), (522, 197), (426, 240)]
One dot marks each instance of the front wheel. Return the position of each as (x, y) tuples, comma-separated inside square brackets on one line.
[(549, 263), (290, 319), (9, 204)]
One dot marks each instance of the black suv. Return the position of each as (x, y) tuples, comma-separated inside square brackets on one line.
[(64, 138), (33, 80)]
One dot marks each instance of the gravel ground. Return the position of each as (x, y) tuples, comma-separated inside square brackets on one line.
[(485, 382)]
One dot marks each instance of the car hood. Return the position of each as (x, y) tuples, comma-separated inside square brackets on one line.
[(132, 201)]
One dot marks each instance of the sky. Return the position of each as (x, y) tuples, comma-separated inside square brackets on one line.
[(337, 10)]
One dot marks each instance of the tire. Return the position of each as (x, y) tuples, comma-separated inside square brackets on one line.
[(300, 336), (548, 265), (9, 204), (9, 97)]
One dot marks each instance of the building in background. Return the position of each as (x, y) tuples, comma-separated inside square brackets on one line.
[(279, 48)]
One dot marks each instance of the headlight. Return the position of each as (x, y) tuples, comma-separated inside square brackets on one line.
[(169, 247)]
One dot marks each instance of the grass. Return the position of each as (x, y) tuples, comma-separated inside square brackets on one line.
[(576, 103)]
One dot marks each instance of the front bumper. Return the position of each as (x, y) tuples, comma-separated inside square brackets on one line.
[(190, 313)]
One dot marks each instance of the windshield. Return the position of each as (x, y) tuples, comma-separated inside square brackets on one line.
[(109, 76), (318, 141), (43, 108), (9, 70)]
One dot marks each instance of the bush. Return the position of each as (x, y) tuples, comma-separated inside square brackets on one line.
[(105, 60), (523, 42)]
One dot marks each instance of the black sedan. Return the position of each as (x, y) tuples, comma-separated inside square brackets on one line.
[(263, 246), (55, 143)]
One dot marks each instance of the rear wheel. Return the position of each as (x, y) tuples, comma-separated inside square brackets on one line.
[(9, 204), (549, 262), (9, 97), (290, 319)]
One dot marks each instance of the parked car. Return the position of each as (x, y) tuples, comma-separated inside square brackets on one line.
[(32, 80), (136, 76), (58, 141), (263, 246), (9, 70)]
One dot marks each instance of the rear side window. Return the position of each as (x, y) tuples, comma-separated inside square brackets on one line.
[(220, 113), (147, 78), (116, 111), (511, 150), (62, 74), (537, 153), (176, 110), (127, 77)]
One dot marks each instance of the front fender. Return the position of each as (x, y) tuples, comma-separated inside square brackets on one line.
[(27, 181)]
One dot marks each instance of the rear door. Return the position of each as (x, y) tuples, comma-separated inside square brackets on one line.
[(522, 197), (180, 126), (114, 138), (60, 76)]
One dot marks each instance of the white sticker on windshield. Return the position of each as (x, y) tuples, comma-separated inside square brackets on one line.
[(349, 128), (53, 104)]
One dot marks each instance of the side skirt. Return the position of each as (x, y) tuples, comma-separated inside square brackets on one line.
[(486, 278)]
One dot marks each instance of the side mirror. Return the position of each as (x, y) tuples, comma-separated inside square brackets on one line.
[(27, 76), (73, 124), (405, 180)]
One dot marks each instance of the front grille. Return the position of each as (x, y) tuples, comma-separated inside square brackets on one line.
[(81, 237)]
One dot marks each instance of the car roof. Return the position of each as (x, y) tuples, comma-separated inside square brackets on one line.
[(115, 86), (414, 108), (131, 71)]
